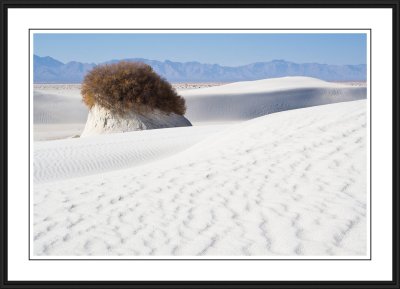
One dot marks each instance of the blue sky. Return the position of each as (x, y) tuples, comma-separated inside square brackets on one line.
[(224, 49)]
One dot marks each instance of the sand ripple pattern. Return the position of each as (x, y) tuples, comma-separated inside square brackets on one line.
[(291, 183), (68, 158)]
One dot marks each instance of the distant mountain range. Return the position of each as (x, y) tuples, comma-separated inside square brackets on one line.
[(49, 70)]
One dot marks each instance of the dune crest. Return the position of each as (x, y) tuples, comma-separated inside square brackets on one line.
[(245, 100)]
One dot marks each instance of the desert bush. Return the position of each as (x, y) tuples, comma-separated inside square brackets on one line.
[(127, 86)]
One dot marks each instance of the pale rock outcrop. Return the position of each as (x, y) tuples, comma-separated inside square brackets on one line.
[(103, 121)]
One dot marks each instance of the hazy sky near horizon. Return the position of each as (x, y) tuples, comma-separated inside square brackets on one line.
[(228, 49)]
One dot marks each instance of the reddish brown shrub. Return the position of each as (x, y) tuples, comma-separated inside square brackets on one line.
[(127, 86)]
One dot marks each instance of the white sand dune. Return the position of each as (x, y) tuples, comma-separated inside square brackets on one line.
[(56, 131), (63, 106), (58, 113), (250, 99), (67, 158), (291, 183), (225, 103)]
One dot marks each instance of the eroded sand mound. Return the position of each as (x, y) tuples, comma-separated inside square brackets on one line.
[(102, 121)]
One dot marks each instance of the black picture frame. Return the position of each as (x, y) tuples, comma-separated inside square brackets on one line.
[(299, 4)]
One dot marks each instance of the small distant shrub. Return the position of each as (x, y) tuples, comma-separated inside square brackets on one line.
[(127, 86)]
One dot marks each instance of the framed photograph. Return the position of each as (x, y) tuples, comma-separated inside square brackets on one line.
[(215, 144)]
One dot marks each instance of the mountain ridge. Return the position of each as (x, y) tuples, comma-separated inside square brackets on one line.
[(50, 70)]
